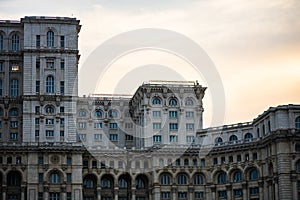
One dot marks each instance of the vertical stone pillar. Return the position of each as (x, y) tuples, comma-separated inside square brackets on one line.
[(174, 190), (191, 191), (261, 189), (295, 187), (213, 191), (245, 191), (156, 192), (229, 193), (4, 192), (98, 193), (133, 193), (46, 192), (116, 193)]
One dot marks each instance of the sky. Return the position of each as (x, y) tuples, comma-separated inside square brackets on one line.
[(254, 45)]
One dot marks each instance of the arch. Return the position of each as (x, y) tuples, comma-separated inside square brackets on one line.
[(297, 122), (156, 101), (98, 113), (89, 186), (107, 181), (253, 174), (165, 178), (55, 177), (237, 176), (50, 38), (221, 177), (218, 141), (50, 84), (49, 109), (173, 101), (198, 179), (233, 138), (182, 179), (189, 101), (124, 181), (13, 182), (14, 112), (113, 113), (15, 42), (248, 136), (141, 181)]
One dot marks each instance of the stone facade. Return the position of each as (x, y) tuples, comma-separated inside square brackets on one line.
[(149, 146)]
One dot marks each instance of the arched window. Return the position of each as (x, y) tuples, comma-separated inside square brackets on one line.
[(186, 162), (13, 112), (253, 174), (297, 123), (1, 42), (233, 138), (15, 42), (98, 113), (50, 39), (106, 183), (13, 179), (50, 84), (237, 176), (198, 179), (248, 137), (165, 179), (81, 113), (1, 88), (182, 179), (218, 140), (54, 178), (156, 101), (189, 102), (49, 109), (123, 183), (89, 182), (14, 87), (140, 183), (222, 178), (113, 114), (173, 102)]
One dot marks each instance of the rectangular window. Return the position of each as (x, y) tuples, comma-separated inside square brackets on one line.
[(173, 138), (165, 195), (62, 87), (98, 137), (62, 133), (41, 196), (62, 64), (62, 121), (190, 127), (157, 138), (230, 159), (98, 125), (223, 160), (238, 192), (40, 160), (41, 177), (18, 160), (37, 63), (1, 66), (50, 63), (38, 40), (0, 135), (37, 133), (199, 195), (156, 126), (254, 156), (13, 136), (37, 86), (182, 195), (247, 157), (69, 160), (49, 121), (173, 126), (128, 126), (37, 110), (239, 158), (62, 41), (82, 137), (81, 125), (189, 114), (190, 139), (222, 194), (14, 87), (173, 114), (14, 124), (156, 114), (61, 109), (113, 137), (202, 162), (49, 133), (113, 125), (254, 191), (69, 196), (69, 178), (128, 137), (54, 196), (1, 88), (15, 66), (215, 161)]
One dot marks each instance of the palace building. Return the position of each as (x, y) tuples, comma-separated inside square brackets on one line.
[(55, 145)]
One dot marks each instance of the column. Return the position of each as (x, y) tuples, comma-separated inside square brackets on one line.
[(133, 190), (191, 191), (116, 192), (229, 188), (213, 191), (174, 190), (277, 189), (156, 192), (63, 192), (261, 189), (245, 192), (46, 192), (98, 193), (23, 192), (4, 192)]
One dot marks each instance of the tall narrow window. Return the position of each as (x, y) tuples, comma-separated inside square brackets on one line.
[(297, 123), (62, 87), (37, 86), (50, 39), (62, 64), (1, 42), (1, 66), (14, 87), (38, 40), (62, 41), (1, 88), (50, 84), (15, 42)]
